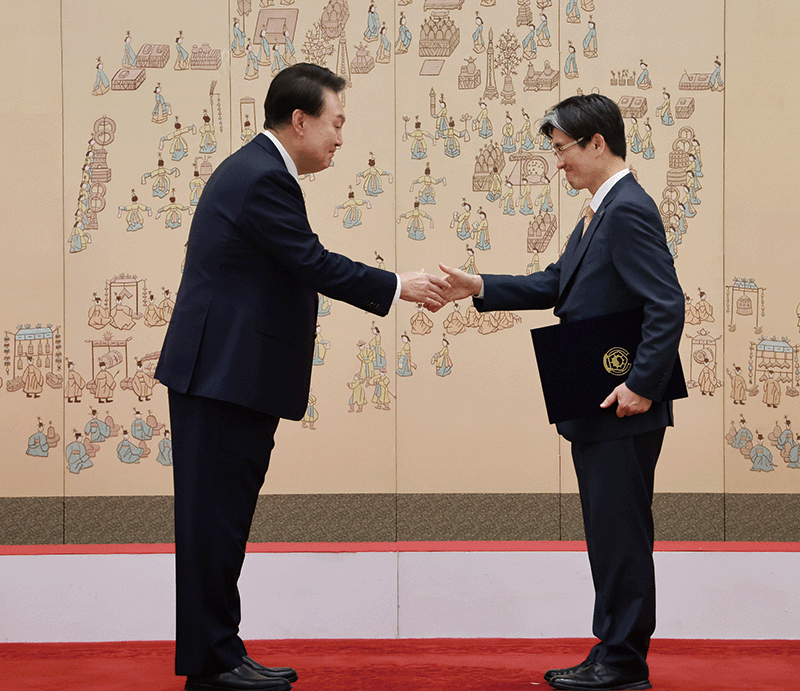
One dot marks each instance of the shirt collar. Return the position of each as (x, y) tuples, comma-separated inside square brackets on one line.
[(287, 159), (605, 188)]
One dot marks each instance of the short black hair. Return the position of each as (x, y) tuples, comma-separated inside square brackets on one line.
[(581, 117), (301, 86)]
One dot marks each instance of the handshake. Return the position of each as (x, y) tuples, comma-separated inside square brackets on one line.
[(434, 292)]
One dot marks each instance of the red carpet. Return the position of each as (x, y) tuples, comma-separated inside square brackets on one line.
[(402, 665)]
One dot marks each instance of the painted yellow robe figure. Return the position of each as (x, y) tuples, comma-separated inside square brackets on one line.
[(178, 147), (405, 366), (142, 384), (311, 415), (419, 149), (427, 195), (442, 361), (415, 228), (366, 357), (352, 214), (75, 384), (208, 137), (104, 385), (495, 186), (380, 396), (358, 398), (32, 380), (172, 213), (162, 183)]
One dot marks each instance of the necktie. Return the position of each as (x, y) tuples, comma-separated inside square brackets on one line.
[(587, 219)]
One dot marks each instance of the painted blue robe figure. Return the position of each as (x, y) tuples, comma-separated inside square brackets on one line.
[(165, 451), (288, 49), (97, 430), (573, 12), (101, 83), (693, 185), (441, 119), (377, 349), (482, 123), (786, 442), (208, 139), (648, 150), (323, 306), (161, 105), (544, 143), (478, 44), (320, 349), (141, 430), (525, 203), (508, 137), (352, 214), (77, 458), (590, 42), (182, 59), (543, 33), (696, 162), (264, 57), (507, 201), (643, 80), (251, 70), (372, 178), (403, 36), (529, 45), (461, 223), (634, 139), (571, 64), (415, 228), (196, 185), (128, 452), (452, 148), (384, 52), (742, 437), (37, 444), (524, 134), (686, 203), (426, 194), (79, 238), (237, 45), (665, 111), (571, 191), (444, 365), (544, 200), (278, 63), (794, 457), (761, 457), (715, 81), (404, 359), (373, 25), (480, 229), (129, 58)]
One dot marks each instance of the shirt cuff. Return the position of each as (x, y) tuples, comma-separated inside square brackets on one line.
[(397, 292), (480, 293)]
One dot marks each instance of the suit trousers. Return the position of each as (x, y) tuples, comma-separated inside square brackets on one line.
[(615, 479), (221, 454)]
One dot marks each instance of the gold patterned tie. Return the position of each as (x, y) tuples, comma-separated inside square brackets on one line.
[(587, 219)]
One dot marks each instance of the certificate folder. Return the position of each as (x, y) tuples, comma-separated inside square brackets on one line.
[(581, 362)]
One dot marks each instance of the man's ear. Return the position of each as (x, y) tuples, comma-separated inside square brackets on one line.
[(298, 121)]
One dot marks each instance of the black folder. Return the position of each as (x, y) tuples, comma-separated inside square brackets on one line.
[(581, 362)]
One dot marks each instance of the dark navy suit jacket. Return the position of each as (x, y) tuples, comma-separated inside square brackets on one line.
[(621, 262), (245, 314)]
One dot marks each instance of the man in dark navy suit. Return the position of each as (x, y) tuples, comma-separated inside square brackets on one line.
[(237, 357), (616, 259)]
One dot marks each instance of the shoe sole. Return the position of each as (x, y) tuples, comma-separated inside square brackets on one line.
[(635, 686)]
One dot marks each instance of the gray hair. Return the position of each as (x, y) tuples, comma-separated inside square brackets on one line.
[(551, 121)]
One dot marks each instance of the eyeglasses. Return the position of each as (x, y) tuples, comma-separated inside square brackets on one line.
[(559, 150)]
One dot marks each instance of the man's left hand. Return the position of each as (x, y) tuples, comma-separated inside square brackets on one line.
[(628, 403)]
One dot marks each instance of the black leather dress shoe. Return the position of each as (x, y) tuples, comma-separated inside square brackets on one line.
[(552, 673), (283, 672), (598, 677), (243, 678)]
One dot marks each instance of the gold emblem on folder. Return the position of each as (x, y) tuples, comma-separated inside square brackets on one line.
[(617, 361)]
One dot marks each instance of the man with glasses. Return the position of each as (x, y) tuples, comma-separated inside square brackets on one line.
[(615, 260)]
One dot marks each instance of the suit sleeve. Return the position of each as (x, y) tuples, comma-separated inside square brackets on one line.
[(274, 216), (640, 255), (538, 290)]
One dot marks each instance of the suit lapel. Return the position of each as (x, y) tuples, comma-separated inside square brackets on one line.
[(576, 250)]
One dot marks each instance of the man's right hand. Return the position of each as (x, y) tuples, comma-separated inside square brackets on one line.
[(460, 284)]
